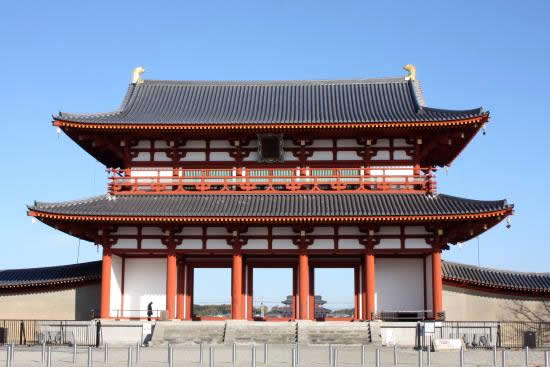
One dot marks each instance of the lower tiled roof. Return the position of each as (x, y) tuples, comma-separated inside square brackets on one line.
[(271, 205), (454, 272), (50, 276), (498, 279)]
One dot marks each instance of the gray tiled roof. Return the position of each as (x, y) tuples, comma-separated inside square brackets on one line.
[(493, 278), (49, 276), (257, 102), (272, 205)]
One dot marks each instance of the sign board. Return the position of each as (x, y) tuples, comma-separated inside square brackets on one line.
[(146, 329), (447, 344), (429, 327)]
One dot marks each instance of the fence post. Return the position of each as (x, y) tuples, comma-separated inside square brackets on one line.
[(89, 356), (170, 356), (335, 357), (395, 355), (106, 353), (234, 355), (526, 356), (362, 355), (200, 354), (297, 354), (546, 359), (377, 357), (97, 333), (293, 357), (211, 359), (43, 352), (429, 350), (265, 353), (8, 355), (504, 358), (461, 356), (129, 357), (253, 356), (138, 352), (494, 355), (48, 357), (330, 354), (74, 353), (21, 328), (12, 352), (420, 360)]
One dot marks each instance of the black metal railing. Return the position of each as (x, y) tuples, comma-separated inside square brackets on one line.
[(61, 332)]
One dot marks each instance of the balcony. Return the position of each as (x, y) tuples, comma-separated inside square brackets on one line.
[(279, 180)]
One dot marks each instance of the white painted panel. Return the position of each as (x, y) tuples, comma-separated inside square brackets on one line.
[(142, 156), (217, 231), (416, 243), (399, 284), (321, 156), (221, 156), (416, 230), (143, 144), (389, 243), (279, 244), (116, 285), (289, 156), (195, 144), (381, 155), (401, 155), (283, 231), (350, 244), (252, 157), (151, 231), (144, 282), (257, 231), (126, 230), (252, 144), (321, 244), (161, 157), (191, 231), (195, 156), (152, 243), (347, 156), (161, 144), (288, 143), (323, 231), (322, 143), (126, 243), (220, 144), (217, 244), (399, 172), (190, 244), (389, 230), (347, 143), (382, 143), (349, 230), (256, 244), (401, 143)]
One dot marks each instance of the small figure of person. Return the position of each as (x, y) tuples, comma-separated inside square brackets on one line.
[(149, 311)]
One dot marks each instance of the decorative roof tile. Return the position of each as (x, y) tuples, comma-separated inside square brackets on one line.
[(273, 102)]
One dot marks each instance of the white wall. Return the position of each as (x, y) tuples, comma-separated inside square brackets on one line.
[(399, 284), (144, 282), (116, 285)]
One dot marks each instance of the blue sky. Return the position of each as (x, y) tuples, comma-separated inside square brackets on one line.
[(78, 56)]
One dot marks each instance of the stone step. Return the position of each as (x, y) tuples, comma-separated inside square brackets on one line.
[(188, 332), (260, 332), (333, 332)]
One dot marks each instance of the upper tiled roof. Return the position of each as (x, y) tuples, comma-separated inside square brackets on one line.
[(271, 102), (493, 278), (272, 205), (49, 276)]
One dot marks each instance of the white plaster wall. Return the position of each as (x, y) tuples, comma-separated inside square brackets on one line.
[(256, 244), (347, 156), (322, 244), (220, 144), (126, 230), (217, 244), (389, 243), (221, 156), (116, 285), (127, 243), (321, 156), (350, 244), (389, 230), (152, 244), (190, 244), (322, 143), (282, 244), (195, 157), (416, 243), (347, 143), (382, 143), (195, 144), (381, 155), (399, 284), (429, 289), (144, 282)]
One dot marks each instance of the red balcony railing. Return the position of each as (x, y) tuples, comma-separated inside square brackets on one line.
[(281, 180)]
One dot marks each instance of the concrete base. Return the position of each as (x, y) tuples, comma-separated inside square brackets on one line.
[(260, 332), (188, 332), (334, 332)]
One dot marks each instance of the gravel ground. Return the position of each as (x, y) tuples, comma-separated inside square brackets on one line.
[(278, 355)]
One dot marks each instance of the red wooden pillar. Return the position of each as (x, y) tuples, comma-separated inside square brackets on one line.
[(311, 293), (181, 291), (250, 293), (369, 284), (189, 273), (171, 274), (303, 284), (237, 286), (106, 283), (437, 283)]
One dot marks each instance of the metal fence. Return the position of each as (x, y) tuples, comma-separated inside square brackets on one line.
[(61, 332), (486, 334)]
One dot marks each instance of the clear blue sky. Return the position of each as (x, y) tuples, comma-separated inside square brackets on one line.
[(78, 56)]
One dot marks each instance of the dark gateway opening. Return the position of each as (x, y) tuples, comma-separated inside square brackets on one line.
[(270, 148)]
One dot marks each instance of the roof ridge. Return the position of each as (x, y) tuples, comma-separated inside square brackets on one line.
[(274, 82), (483, 268), (51, 266)]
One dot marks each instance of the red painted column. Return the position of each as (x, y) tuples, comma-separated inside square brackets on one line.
[(181, 289), (189, 292), (237, 286), (106, 283), (437, 283), (369, 283), (303, 284), (171, 274)]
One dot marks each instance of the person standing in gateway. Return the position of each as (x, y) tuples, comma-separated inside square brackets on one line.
[(149, 311)]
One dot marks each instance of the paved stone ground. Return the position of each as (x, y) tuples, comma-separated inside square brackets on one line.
[(278, 355)]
